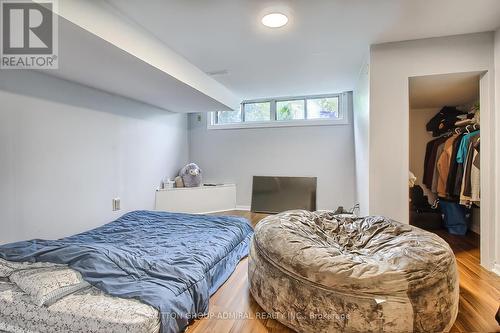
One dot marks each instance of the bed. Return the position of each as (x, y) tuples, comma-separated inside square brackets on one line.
[(168, 263), (89, 310)]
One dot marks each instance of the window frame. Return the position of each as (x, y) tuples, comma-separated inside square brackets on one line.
[(343, 119)]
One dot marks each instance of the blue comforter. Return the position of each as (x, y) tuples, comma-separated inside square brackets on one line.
[(171, 261)]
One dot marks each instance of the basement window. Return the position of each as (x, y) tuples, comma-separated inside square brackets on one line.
[(331, 109), (290, 110), (260, 111)]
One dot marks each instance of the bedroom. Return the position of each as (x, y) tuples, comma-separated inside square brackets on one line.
[(320, 106)]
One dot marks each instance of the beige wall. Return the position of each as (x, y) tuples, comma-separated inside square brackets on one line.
[(419, 138)]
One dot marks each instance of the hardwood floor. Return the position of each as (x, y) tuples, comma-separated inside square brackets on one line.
[(479, 289), (233, 310)]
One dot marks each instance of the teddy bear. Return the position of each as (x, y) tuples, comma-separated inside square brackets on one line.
[(190, 175)]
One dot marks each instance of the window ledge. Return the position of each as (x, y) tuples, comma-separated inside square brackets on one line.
[(278, 123)]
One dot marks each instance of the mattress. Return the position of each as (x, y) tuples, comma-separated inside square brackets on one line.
[(89, 310), (171, 261)]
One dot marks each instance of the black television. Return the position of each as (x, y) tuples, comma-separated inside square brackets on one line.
[(278, 194)]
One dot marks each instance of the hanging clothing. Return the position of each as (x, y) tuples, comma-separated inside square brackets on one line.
[(475, 182), (468, 167), (435, 175), (462, 150), (451, 165), (430, 160), (452, 174), (443, 166), (477, 159), (461, 156), (471, 175), (457, 186)]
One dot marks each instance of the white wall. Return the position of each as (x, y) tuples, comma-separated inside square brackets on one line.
[(234, 156), (66, 150), (391, 66), (361, 123), (419, 137), (497, 140)]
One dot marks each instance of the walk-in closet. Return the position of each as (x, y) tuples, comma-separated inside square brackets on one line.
[(445, 148)]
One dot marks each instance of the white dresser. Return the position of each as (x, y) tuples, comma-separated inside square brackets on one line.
[(204, 199)]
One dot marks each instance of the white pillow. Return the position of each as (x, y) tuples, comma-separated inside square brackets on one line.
[(49, 284)]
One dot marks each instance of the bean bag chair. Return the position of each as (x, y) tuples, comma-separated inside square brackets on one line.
[(319, 272)]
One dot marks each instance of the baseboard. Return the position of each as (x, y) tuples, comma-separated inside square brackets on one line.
[(496, 269), (247, 208)]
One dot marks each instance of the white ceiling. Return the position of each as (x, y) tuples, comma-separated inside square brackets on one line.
[(94, 62), (436, 91), (132, 62), (322, 48)]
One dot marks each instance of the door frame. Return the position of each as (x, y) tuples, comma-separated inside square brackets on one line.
[(489, 187)]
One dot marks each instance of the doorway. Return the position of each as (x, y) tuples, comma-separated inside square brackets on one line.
[(446, 187)]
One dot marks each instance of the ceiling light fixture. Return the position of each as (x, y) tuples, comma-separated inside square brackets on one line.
[(274, 20)]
